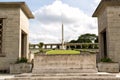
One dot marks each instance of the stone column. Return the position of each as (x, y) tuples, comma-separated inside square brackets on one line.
[(45, 46), (50, 46)]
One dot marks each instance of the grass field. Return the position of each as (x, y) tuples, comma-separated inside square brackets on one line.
[(63, 52)]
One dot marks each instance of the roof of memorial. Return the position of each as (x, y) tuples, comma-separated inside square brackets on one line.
[(22, 5), (103, 4)]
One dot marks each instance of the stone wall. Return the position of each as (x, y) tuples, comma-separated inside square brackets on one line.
[(15, 22), (109, 21), (108, 13), (24, 26), (64, 63), (102, 23), (10, 48), (113, 13)]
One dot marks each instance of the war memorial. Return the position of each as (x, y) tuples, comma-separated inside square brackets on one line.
[(14, 45)]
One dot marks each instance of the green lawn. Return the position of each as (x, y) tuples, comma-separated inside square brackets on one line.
[(63, 52)]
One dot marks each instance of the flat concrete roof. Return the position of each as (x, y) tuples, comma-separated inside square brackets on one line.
[(22, 5), (103, 4)]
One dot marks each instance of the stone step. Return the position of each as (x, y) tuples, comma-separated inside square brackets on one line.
[(68, 76), (39, 71), (65, 78), (65, 74)]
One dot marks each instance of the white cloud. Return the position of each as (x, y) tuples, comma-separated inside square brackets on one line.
[(47, 25), (97, 1)]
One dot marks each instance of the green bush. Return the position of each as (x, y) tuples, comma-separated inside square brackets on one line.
[(96, 47), (90, 46), (22, 60), (106, 60), (84, 46), (41, 50)]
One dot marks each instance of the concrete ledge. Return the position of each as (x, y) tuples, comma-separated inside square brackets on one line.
[(20, 68), (80, 63), (108, 67), (71, 76)]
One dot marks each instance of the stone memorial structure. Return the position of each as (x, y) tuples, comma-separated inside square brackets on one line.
[(81, 63), (108, 14), (13, 32), (82, 66)]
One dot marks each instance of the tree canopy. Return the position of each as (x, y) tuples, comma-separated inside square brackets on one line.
[(86, 38), (40, 45)]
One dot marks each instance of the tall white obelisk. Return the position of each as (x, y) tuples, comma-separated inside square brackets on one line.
[(63, 36), (62, 30)]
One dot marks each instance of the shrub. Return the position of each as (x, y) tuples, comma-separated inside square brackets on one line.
[(106, 60), (22, 60), (90, 46), (85, 46), (41, 50), (96, 47)]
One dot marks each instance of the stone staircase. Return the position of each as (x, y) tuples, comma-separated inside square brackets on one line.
[(65, 67), (66, 76)]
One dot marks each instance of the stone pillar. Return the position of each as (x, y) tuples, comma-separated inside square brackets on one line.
[(75, 46), (69, 47), (45, 46), (33, 46), (81, 46), (50, 46), (93, 46)]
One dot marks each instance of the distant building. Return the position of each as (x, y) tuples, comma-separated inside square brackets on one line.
[(13, 32)]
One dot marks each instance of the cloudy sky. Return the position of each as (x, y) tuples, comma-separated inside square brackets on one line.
[(49, 15)]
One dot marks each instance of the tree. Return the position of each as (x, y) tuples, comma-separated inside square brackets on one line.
[(96, 41), (40, 45), (73, 41), (86, 38)]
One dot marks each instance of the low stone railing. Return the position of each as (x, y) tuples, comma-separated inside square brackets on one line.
[(67, 46)]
